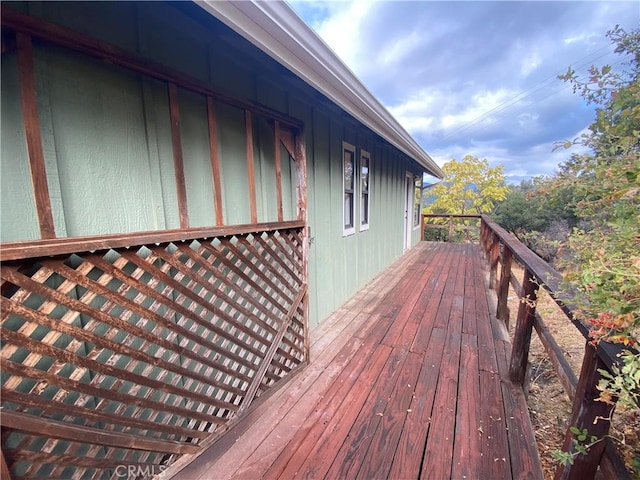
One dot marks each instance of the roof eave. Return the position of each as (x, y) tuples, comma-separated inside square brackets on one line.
[(278, 31)]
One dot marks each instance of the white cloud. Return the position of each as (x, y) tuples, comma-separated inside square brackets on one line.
[(476, 78), (341, 30)]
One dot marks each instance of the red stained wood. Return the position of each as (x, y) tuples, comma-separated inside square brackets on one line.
[(438, 455), (503, 286), (215, 160), (524, 327), (34, 138), (399, 408), (63, 246), (278, 167), (590, 413), (164, 341), (251, 174), (73, 40), (178, 162), (4, 469), (36, 425)]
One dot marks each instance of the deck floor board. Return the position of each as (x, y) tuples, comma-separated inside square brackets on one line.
[(407, 380)]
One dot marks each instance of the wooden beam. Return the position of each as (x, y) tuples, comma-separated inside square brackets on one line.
[(54, 429), (251, 173), (301, 189), (564, 371), (588, 413), (524, 326), (65, 246), (108, 53), (178, 161), (273, 348), (5, 473), (215, 160), (278, 166), (33, 136), (502, 312)]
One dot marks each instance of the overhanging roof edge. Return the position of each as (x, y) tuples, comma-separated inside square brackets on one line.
[(277, 30)]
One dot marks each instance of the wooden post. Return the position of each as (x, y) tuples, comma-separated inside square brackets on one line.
[(33, 136), (502, 312), (524, 326), (5, 473), (587, 413), (450, 228), (494, 257), (178, 160), (422, 227)]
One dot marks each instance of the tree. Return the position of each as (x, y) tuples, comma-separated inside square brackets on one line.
[(605, 253), (469, 186)]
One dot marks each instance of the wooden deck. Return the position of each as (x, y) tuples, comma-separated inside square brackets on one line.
[(407, 380)]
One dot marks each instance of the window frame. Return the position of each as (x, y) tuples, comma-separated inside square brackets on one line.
[(349, 229), (365, 155), (417, 201)]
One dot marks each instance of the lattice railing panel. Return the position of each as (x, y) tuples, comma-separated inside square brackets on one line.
[(132, 356)]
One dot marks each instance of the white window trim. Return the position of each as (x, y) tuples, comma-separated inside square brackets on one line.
[(415, 178), (350, 230), (367, 155)]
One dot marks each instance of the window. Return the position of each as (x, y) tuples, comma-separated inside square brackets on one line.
[(365, 163), (417, 201), (349, 187)]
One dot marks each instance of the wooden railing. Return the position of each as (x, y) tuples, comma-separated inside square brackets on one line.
[(501, 249), (132, 351), (450, 223)]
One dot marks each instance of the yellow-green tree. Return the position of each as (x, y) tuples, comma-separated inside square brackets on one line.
[(469, 186)]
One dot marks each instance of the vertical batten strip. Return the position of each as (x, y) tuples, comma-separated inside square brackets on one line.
[(178, 162), (215, 161), (301, 172), (33, 136), (278, 165), (251, 174)]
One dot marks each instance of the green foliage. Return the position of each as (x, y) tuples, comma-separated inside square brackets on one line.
[(605, 253), (580, 445), (604, 189), (539, 219), (469, 186)]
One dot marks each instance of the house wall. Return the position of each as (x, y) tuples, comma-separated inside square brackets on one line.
[(108, 151)]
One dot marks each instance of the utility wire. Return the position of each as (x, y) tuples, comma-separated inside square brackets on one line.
[(527, 93)]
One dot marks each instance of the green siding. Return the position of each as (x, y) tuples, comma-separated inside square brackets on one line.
[(108, 150), (19, 220)]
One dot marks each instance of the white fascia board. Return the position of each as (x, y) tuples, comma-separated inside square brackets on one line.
[(277, 30)]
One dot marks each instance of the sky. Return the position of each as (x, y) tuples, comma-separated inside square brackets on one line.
[(477, 77)]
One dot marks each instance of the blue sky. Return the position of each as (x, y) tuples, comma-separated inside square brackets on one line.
[(476, 77)]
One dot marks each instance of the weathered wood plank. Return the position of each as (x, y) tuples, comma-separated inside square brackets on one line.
[(468, 430), (408, 459), (178, 161), (65, 246), (524, 327), (318, 425), (380, 454), (79, 42), (438, 455), (525, 460), (251, 173), (55, 429), (215, 161), (31, 120), (278, 170), (494, 448), (590, 413), (357, 423)]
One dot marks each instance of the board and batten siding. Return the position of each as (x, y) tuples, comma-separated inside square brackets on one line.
[(108, 151)]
